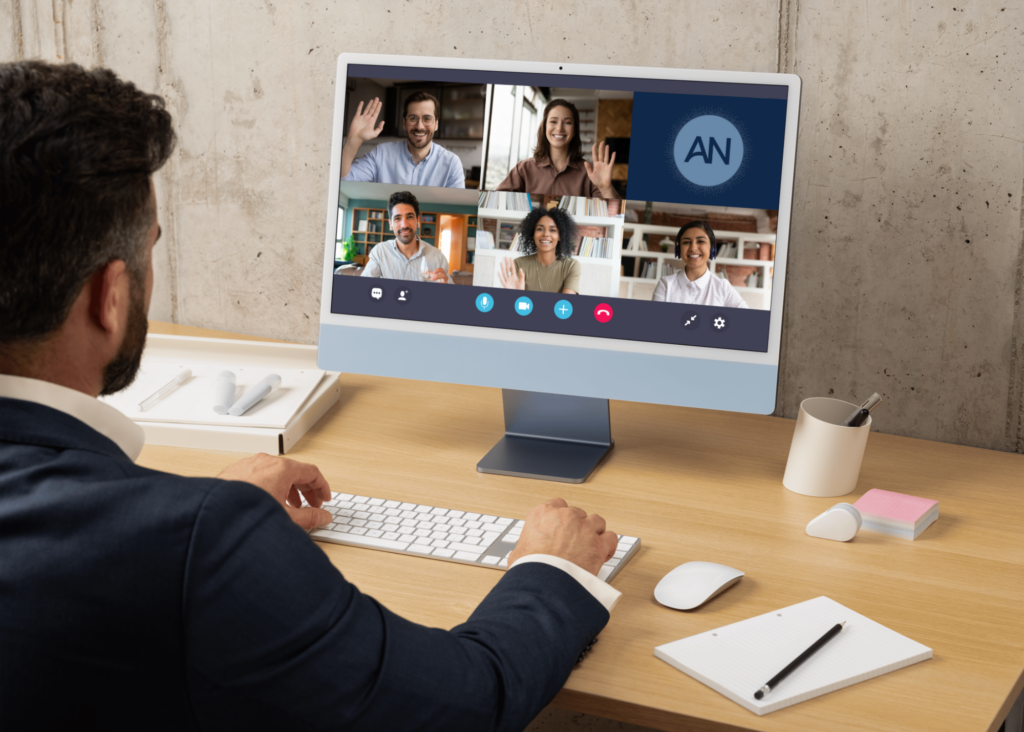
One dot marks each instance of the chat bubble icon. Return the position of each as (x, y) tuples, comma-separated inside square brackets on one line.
[(376, 293)]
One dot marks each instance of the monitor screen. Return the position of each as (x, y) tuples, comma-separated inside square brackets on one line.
[(631, 211)]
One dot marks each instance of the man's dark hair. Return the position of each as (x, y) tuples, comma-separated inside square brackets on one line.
[(77, 149), (543, 149), (402, 197), (421, 96), (568, 233)]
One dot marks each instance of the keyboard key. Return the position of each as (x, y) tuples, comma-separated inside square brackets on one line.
[(376, 501), (358, 522), (374, 533), (391, 536), (468, 556), (471, 516), (421, 549), (504, 521), (604, 572), (509, 539), (490, 560), (359, 531), (459, 547), (455, 514), (447, 553), (376, 543), (422, 541), (391, 504), (374, 524), (407, 506)]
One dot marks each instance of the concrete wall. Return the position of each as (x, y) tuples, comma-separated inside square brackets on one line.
[(907, 262)]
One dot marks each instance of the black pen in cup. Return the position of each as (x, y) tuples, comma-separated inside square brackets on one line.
[(860, 414)]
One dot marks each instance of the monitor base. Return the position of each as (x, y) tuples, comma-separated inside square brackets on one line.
[(550, 437)]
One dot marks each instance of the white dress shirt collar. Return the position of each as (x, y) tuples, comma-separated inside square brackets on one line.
[(103, 418)]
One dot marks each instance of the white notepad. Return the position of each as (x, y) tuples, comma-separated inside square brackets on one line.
[(737, 660)]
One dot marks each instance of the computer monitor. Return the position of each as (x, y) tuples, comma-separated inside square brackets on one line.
[(527, 257)]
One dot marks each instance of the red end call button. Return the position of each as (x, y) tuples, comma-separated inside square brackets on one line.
[(603, 312)]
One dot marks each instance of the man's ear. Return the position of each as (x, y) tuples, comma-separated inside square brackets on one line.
[(109, 297)]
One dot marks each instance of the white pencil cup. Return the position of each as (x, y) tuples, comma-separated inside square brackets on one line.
[(825, 457)]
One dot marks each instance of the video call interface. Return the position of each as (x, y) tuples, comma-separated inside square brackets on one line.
[(633, 209)]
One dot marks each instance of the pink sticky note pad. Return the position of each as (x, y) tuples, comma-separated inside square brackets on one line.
[(894, 506)]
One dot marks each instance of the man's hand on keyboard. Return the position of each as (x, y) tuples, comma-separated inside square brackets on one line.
[(287, 481), (561, 530)]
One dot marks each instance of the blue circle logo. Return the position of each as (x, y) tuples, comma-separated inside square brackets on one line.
[(708, 150), (524, 306), (563, 309), (484, 302)]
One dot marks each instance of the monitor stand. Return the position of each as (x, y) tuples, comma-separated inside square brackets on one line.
[(550, 437)]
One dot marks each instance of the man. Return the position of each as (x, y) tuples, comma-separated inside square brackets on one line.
[(406, 257), (419, 161), (134, 599)]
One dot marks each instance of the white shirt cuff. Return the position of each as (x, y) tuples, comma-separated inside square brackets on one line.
[(603, 592)]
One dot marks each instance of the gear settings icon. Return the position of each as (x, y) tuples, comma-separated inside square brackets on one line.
[(719, 322)]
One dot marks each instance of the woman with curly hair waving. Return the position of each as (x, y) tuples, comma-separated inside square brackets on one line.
[(548, 239)]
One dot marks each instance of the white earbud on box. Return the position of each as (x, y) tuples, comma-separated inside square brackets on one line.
[(840, 523)]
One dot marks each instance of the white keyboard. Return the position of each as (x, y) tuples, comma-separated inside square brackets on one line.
[(439, 533)]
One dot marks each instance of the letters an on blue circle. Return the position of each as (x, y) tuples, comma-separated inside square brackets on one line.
[(708, 150), (563, 309), (484, 302), (524, 306)]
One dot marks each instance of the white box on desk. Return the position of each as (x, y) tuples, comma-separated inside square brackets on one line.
[(228, 354)]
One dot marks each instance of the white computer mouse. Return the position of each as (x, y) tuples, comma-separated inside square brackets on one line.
[(694, 583)]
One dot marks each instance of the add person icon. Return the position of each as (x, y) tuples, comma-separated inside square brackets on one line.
[(403, 296)]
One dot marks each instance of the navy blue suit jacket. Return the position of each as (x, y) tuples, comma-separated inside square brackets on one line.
[(135, 599)]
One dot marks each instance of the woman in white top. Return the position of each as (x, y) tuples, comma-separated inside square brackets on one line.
[(695, 285)]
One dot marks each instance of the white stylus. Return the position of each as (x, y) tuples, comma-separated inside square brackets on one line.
[(254, 394), (223, 392), (183, 376)]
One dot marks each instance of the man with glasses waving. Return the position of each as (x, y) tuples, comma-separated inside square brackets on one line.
[(419, 161)]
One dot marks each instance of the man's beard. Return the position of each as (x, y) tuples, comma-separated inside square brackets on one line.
[(121, 371), (428, 139)]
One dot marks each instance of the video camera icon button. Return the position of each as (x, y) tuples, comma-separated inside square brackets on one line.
[(484, 302), (524, 306)]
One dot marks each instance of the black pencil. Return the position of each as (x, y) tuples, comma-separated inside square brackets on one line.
[(815, 647)]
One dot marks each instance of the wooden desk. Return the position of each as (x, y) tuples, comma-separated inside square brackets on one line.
[(707, 486)]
